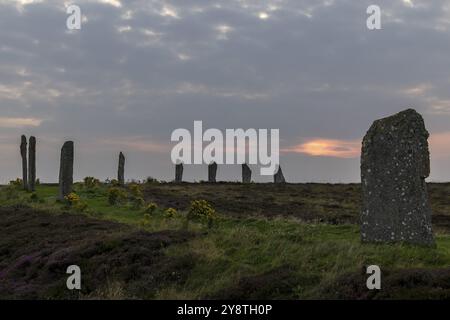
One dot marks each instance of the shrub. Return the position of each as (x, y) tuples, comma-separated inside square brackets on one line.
[(116, 196), (11, 192), (80, 206), (146, 220), (16, 183), (170, 213), (135, 190), (202, 210), (150, 180), (91, 182), (151, 208), (137, 202), (34, 197), (72, 199)]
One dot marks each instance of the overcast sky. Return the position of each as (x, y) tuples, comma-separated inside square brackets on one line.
[(137, 70)]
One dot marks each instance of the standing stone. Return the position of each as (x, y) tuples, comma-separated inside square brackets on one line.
[(279, 177), (23, 153), (32, 164), (212, 171), (66, 170), (394, 164), (179, 172), (246, 173), (121, 169)]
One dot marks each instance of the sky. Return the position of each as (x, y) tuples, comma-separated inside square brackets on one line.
[(139, 69)]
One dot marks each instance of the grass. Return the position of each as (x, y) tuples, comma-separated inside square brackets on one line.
[(259, 256)]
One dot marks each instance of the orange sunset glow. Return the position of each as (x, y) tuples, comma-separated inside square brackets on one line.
[(328, 148)]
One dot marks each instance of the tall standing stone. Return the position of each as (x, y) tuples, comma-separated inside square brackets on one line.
[(394, 164), (23, 153), (66, 170), (32, 164), (279, 177), (179, 172), (212, 171), (246, 173), (121, 169)]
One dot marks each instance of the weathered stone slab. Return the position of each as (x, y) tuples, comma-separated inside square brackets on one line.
[(32, 163), (66, 170), (394, 164), (278, 176), (212, 171), (23, 154), (121, 169), (179, 172), (246, 173)]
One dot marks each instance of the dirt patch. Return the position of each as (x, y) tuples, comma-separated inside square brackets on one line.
[(396, 284), (36, 248)]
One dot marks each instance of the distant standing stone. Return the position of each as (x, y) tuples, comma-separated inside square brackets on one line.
[(394, 164), (179, 172), (121, 169), (212, 171), (23, 153), (246, 173), (32, 164), (279, 177), (66, 170)]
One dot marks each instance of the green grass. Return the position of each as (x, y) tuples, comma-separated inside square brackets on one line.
[(239, 247)]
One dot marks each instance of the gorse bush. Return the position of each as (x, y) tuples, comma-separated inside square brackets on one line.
[(151, 208), (11, 192), (203, 211), (146, 220), (170, 213), (135, 190), (91, 182), (137, 202), (150, 180), (16, 183), (34, 197), (72, 199), (116, 196)]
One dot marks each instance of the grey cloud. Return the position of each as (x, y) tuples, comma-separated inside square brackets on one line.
[(311, 69)]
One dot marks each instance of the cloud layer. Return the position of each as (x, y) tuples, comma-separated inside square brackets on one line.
[(139, 69)]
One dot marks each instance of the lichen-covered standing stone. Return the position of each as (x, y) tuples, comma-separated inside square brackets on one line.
[(394, 164), (212, 171), (23, 154), (66, 170), (179, 172), (246, 173), (32, 164), (279, 177), (121, 169)]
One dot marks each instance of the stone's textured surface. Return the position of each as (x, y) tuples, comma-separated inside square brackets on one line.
[(32, 164), (246, 173), (394, 164), (121, 169), (279, 177), (23, 154), (179, 172), (212, 171), (66, 170)]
